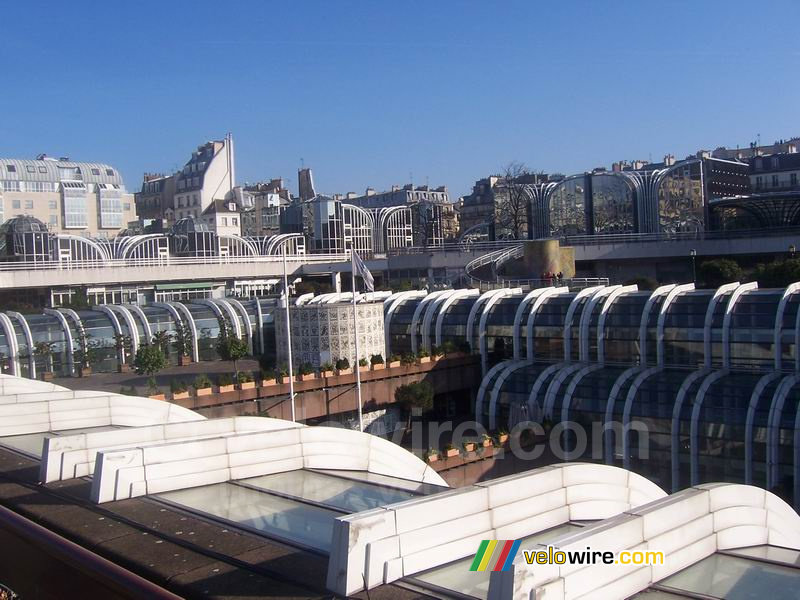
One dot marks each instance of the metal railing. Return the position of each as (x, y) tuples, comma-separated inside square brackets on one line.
[(166, 261)]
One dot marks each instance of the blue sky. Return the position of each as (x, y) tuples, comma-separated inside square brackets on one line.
[(368, 93)]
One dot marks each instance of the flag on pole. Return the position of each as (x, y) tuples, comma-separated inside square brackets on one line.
[(361, 270)]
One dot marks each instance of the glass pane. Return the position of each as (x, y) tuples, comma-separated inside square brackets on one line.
[(456, 575), (786, 556), (414, 487), (734, 578), (343, 494), (288, 519)]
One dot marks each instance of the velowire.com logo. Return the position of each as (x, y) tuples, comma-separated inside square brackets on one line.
[(495, 555)]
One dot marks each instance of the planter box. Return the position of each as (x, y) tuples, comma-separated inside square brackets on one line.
[(184, 360), (267, 382), (486, 443), (226, 388), (180, 396), (124, 368), (436, 358), (502, 439), (378, 367), (84, 371), (158, 397), (247, 385), (432, 458), (345, 372), (326, 373), (204, 391), (451, 453), (48, 376), (394, 364), (362, 369), (301, 377), (469, 447), (424, 359)]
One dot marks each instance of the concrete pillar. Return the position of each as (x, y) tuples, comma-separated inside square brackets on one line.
[(336, 281)]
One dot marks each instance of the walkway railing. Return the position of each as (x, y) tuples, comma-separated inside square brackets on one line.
[(166, 261)]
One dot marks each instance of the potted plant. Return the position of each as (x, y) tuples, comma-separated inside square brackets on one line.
[(436, 352), (162, 340), (469, 446), (486, 441), (306, 372), (343, 367), (363, 365), (450, 451), (44, 350), (502, 437), (123, 345), (423, 356), (376, 360), (448, 348), (268, 377), (394, 361), (182, 343), (407, 359), (245, 381), (326, 369), (179, 389), (225, 383), (282, 373), (153, 392), (432, 455), (202, 386)]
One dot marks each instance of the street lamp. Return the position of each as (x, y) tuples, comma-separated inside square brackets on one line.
[(693, 254), (792, 251)]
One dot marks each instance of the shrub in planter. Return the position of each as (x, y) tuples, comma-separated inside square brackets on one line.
[(450, 451), (486, 441), (436, 352), (363, 365), (177, 387), (423, 356), (267, 377), (394, 361), (502, 436), (245, 380), (326, 369), (408, 359), (376, 359), (469, 446), (306, 372), (202, 385), (225, 382), (342, 365), (432, 455)]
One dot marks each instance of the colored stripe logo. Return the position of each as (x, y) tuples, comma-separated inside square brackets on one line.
[(495, 555)]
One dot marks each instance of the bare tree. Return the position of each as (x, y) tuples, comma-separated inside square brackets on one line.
[(511, 201)]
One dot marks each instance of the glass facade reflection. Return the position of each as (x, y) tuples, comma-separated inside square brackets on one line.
[(613, 205), (568, 207), (681, 200)]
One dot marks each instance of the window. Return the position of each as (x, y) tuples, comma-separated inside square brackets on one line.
[(793, 179), (15, 204), (30, 168), (759, 182), (11, 186), (53, 205), (42, 169), (126, 206), (28, 204), (110, 172), (775, 182), (53, 219), (224, 221), (196, 201), (38, 186), (95, 171), (11, 168), (234, 221)]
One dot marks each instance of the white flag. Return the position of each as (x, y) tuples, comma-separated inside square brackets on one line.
[(361, 270)]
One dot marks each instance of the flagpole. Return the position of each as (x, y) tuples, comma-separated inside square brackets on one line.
[(355, 332), (288, 332)]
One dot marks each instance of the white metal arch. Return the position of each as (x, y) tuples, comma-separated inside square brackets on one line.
[(457, 294), (148, 331), (694, 454), (648, 308), (712, 305), (662, 318), (585, 322), (726, 324), (303, 299), (569, 393), (13, 344), (387, 319), (473, 311), (774, 425), (601, 321), (778, 335), (529, 297), (626, 412), (608, 448), (237, 245), (494, 395), (483, 388), (102, 308), (425, 330), (573, 306), (26, 331), (68, 339), (176, 309), (534, 409), (482, 324), (555, 385), (755, 398), (529, 327), (153, 245), (248, 326), (84, 245), (130, 324), (223, 313), (422, 305), (680, 397)]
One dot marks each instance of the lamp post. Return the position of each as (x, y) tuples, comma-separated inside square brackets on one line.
[(288, 332), (792, 251), (693, 254)]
